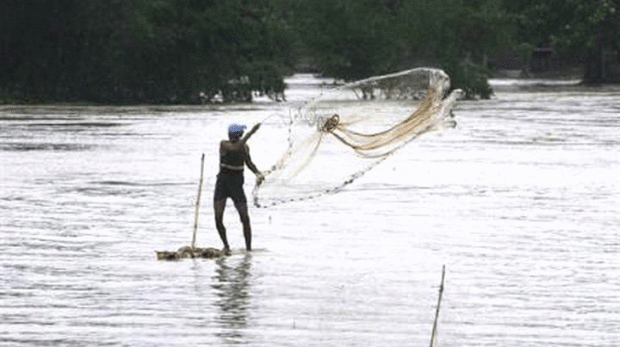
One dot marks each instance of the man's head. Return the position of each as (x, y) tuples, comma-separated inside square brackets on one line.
[(235, 131)]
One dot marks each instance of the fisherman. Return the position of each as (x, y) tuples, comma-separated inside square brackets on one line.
[(234, 155)]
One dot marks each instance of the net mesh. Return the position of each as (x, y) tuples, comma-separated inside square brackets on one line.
[(339, 136)]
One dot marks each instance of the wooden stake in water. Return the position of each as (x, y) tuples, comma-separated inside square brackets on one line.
[(202, 165), (434, 333)]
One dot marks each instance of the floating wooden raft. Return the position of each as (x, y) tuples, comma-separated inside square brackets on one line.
[(189, 252)]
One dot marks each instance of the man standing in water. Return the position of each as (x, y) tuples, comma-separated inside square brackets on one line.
[(234, 155)]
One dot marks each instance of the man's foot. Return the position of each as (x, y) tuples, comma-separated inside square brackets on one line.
[(226, 250)]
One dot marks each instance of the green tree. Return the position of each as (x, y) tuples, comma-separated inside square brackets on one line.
[(579, 28), (593, 28), (179, 48), (459, 36), (356, 39), (473, 31), (164, 51), (349, 39)]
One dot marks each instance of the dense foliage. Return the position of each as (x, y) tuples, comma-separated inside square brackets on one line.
[(353, 39), (586, 29), (188, 51), (350, 39), (161, 51)]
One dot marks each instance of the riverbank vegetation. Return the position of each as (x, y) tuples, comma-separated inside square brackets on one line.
[(193, 51)]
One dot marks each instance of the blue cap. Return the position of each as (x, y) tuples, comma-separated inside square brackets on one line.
[(235, 128)]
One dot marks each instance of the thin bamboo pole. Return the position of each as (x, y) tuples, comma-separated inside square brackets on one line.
[(434, 332), (202, 165)]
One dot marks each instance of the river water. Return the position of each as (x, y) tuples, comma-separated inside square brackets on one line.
[(521, 202)]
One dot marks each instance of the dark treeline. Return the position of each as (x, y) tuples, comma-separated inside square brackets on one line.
[(124, 51), (188, 51)]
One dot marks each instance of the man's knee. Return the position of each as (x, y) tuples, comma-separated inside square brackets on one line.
[(244, 215), (245, 219), (242, 208)]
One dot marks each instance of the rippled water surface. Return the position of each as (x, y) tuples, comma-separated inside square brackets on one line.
[(521, 202)]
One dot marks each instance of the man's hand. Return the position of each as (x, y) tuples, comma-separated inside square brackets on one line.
[(259, 178)]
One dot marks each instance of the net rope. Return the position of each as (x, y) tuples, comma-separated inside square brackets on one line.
[(338, 137)]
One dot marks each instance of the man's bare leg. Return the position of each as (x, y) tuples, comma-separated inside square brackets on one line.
[(242, 208), (218, 208)]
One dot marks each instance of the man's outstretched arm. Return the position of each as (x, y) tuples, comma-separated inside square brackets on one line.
[(250, 133)]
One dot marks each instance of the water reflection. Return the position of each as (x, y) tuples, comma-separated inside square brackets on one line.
[(232, 285)]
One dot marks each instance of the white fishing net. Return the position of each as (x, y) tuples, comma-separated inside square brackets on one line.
[(338, 137)]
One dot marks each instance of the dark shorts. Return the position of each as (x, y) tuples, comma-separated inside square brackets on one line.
[(229, 184)]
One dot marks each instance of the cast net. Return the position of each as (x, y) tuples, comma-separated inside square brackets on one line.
[(339, 136)]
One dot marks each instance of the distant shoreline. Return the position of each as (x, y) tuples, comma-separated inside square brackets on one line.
[(570, 74), (504, 74)]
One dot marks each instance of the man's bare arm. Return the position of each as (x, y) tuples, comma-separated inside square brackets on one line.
[(248, 161), (252, 167), (250, 133)]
